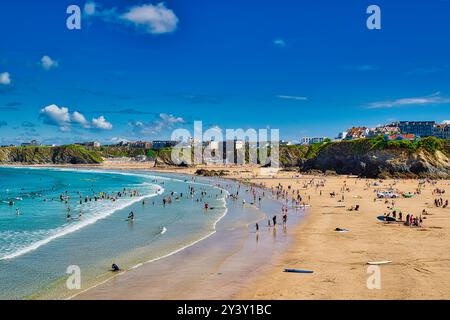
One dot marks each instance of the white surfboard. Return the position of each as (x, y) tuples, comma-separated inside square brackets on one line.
[(379, 262)]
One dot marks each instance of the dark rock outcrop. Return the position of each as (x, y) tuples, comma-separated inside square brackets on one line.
[(211, 173)]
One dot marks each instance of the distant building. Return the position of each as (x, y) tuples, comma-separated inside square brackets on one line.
[(161, 144), (135, 144), (382, 130), (341, 135), (89, 144), (32, 143), (239, 144), (418, 128), (215, 145), (400, 136), (312, 140), (286, 143), (442, 131), (357, 133), (140, 144)]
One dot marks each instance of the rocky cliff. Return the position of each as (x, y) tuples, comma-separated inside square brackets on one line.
[(366, 158), (374, 158), (48, 155)]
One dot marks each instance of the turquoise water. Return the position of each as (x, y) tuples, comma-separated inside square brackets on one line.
[(38, 242)]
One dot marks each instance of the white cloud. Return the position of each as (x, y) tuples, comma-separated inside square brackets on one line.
[(155, 19), (101, 123), (299, 98), (170, 119), (164, 122), (5, 78), (61, 117), (432, 99), (446, 122), (48, 63), (279, 42), (55, 115), (79, 119)]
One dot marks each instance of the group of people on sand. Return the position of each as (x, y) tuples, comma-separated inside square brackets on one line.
[(439, 202)]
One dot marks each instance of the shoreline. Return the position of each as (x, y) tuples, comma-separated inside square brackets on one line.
[(240, 244), (420, 267), (197, 271)]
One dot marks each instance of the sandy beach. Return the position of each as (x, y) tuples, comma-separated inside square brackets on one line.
[(420, 256), (420, 267)]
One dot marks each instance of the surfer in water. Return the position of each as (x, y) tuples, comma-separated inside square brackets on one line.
[(17, 212), (131, 216)]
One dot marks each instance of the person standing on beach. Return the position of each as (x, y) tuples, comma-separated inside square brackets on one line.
[(274, 219)]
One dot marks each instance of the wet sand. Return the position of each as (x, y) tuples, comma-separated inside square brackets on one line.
[(218, 267)]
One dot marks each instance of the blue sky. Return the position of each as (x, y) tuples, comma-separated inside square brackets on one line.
[(139, 69)]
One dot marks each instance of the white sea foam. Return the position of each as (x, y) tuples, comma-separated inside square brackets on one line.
[(62, 231), (172, 252)]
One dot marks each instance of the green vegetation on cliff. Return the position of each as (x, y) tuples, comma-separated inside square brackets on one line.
[(70, 154), (360, 146)]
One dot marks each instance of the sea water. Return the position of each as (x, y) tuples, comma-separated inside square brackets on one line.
[(39, 245)]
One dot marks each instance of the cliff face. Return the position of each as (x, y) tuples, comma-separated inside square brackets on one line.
[(293, 156), (163, 158), (360, 159), (48, 155)]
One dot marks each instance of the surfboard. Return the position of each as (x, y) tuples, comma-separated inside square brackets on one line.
[(302, 206), (379, 262), (384, 218), (298, 271), (408, 195)]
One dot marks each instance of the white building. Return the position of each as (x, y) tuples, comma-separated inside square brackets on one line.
[(312, 140)]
